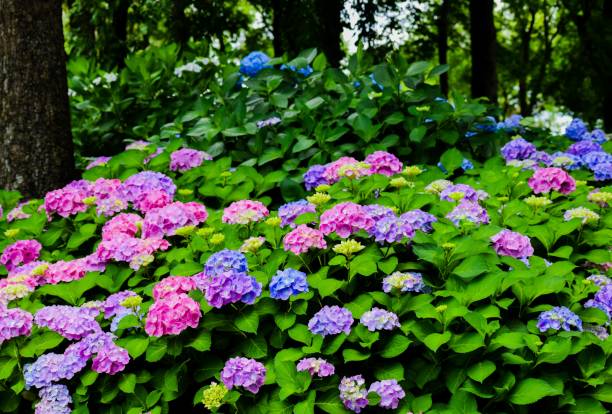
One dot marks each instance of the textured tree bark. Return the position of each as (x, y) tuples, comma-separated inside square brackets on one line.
[(442, 23), (483, 49), (36, 153)]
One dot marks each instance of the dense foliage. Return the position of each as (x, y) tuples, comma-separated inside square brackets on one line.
[(276, 273)]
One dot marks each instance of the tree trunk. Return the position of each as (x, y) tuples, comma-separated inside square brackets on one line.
[(443, 43), (483, 50), (607, 101), (120, 28), (35, 139), (329, 29), (180, 23)]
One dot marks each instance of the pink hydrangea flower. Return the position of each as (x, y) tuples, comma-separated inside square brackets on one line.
[(172, 314), (345, 219), (125, 223), (152, 200), (123, 248), (14, 322), (97, 162), (509, 243), (17, 213), (173, 285), (244, 212), (109, 198), (383, 162), (186, 158), (67, 201), (20, 252), (110, 360), (546, 179), (332, 169), (62, 271), (316, 366), (303, 238), (166, 220)]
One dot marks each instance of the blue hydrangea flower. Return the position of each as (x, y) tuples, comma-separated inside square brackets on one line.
[(290, 211), (576, 130), (54, 399), (596, 157), (374, 83), (597, 135), (603, 171), (287, 283), (602, 300), (467, 164), (582, 148), (419, 220), (331, 320), (490, 125), (224, 261), (253, 63), (305, 71), (314, 177), (518, 149), (510, 124), (557, 318)]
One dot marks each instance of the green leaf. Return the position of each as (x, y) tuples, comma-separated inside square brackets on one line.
[(363, 264), (417, 68), (284, 321), (38, 344), (435, 340), (202, 342), (306, 406), (481, 370), (395, 346), (248, 321), (127, 383), (353, 355), (389, 370), (530, 390), (136, 346), (417, 134), (314, 102), (156, 350), (421, 404), (327, 287), (471, 267)]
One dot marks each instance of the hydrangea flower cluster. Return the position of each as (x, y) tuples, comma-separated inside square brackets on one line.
[(458, 192), (314, 177), (546, 179), (54, 399), (518, 149), (185, 159), (557, 318), (468, 211), (345, 219), (65, 201), (378, 319), (253, 63), (243, 372), (13, 323), (602, 300), (71, 322), (390, 393), (290, 211), (225, 260), (382, 162), (303, 238), (252, 244), (331, 320), (510, 243), (97, 162), (419, 220), (268, 122), (245, 212), (20, 252), (165, 221), (390, 229), (403, 282), (287, 283), (353, 393), (585, 215), (316, 366), (138, 185), (172, 314)]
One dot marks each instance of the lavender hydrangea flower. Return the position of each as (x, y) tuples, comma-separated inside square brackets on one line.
[(225, 260), (54, 399), (592, 159), (602, 300), (69, 321), (112, 305), (379, 319), (268, 122), (50, 368), (287, 283), (14, 322), (331, 320), (603, 171), (517, 149), (290, 211), (513, 244), (541, 157), (390, 393), (469, 211), (404, 282), (576, 130), (315, 176), (390, 229), (419, 220), (469, 193), (600, 280), (600, 332), (139, 184), (512, 123), (316, 366), (378, 212), (353, 393), (557, 318), (582, 148), (230, 287), (243, 372)]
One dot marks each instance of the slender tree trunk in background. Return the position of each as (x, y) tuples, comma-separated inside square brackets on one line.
[(525, 62), (330, 29), (483, 49), (180, 24), (607, 25), (443, 43), (36, 152), (120, 28), (277, 26)]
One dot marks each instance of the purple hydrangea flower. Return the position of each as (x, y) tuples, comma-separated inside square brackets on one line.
[(581, 148), (54, 399), (517, 149), (314, 177), (97, 162), (185, 159), (378, 212), (541, 157), (390, 229), (600, 280), (243, 372), (50, 368), (469, 211), (268, 122), (557, 318), (576, 130), (419, 220), (137, 185), (592, 159), (224, 261), (14, 322), (287, 283), (469, 193), (390, 393), (89, 346), (331, 320), (602, 300), (290, 211), (316, 366), (379, 319), (110, 360), (353, 393), (112, 305), (404, 282), (230, 287), (603, 171), (69, 321), (510, 243)]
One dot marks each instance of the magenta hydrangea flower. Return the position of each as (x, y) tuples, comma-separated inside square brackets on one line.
[(243, 372), (419, 220), (316, 366), (186, 158), (378, 319), (290, 211), (230, 287), (331, 320), (172, 314), (244, 212), (66, 201), (109, 198), (331, 173), (546, 179), (96, 162), (71, 322), (353, 393), (383, 162), (468, 211), (173, 285), (13, 323), (167, 220), (125, 223), (136, 186), (152, 200), (20, 252), (62, 271), (17, 213), (510, 243), (390, 393), (302, 239), (110, 360), (345, 219)]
